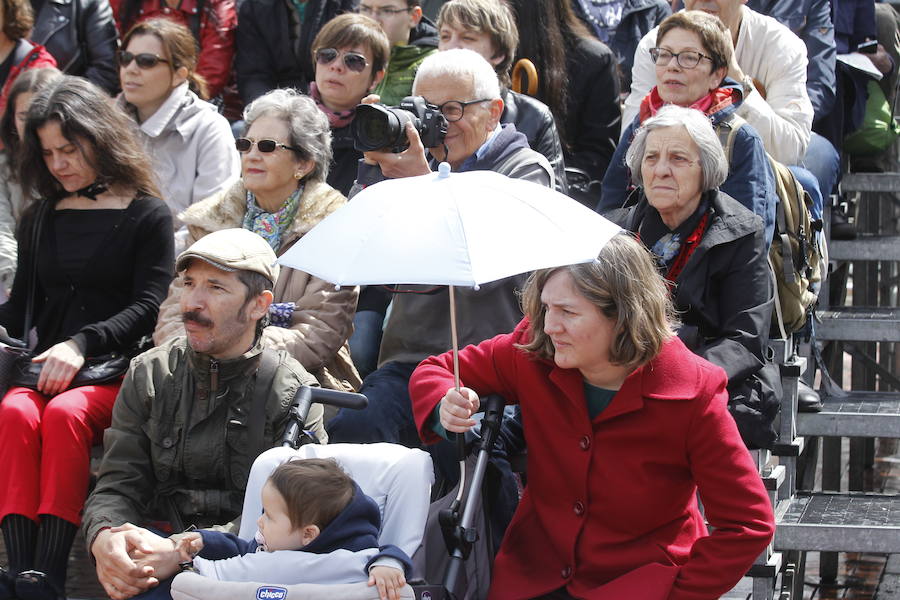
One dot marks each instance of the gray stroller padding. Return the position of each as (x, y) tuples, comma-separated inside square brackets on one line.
[(193, 586)]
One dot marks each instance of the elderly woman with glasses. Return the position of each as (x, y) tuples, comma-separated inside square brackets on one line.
[(282, 194), (624, 425), (190, 143), (691, 55), (712, 252)]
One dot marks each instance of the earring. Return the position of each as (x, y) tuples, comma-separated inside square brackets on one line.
[(299, 175)]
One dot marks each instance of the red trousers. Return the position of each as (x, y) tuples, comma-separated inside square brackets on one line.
[(45, 447)]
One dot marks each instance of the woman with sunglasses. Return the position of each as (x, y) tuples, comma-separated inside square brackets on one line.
[(95, 260), (190, 143), (282, 194), (350, 54), (691, 57)]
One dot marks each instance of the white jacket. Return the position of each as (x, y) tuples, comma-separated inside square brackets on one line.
[(773, 55), (12, 205), (192, 149)]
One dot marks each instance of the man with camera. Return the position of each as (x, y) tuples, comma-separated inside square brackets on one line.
[(460, 92), (192, 415)]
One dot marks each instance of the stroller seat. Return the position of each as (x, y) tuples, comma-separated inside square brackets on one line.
[(397, 478)]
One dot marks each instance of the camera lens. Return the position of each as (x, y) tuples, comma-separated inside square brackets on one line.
[(376, 127)]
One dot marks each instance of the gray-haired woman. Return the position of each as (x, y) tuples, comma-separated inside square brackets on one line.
[(712, 251), (281, 195)]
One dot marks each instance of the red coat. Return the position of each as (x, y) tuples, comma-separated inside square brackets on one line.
[(37, 58), (610, 508), (216, 34)]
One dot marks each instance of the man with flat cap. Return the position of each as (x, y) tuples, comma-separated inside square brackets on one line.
[(193, 413)]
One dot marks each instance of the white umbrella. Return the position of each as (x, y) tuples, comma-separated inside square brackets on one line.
[(449, 229), (454, 229)]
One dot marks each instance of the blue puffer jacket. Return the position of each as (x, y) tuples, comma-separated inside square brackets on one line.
[(750, 180)]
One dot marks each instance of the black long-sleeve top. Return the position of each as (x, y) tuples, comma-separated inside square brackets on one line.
[(115, 299)]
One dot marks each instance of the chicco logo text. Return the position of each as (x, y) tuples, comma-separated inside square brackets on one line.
[(271, 593)]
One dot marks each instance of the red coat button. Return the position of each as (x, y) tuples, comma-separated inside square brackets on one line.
[(566, 572), (578, 508), (584, 443)]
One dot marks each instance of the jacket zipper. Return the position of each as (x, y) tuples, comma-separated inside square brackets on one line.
[(213, 380)]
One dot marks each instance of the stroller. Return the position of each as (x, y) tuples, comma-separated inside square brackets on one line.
[(441, 537)]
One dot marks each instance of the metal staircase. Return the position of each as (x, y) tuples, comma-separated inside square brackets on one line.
[(829, 520)]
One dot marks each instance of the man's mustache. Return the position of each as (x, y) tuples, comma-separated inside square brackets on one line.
[(196, 317)]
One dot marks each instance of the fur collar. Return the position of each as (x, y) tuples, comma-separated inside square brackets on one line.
[(226, 209)]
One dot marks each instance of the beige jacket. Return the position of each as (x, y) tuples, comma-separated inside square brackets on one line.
[(323, 318)]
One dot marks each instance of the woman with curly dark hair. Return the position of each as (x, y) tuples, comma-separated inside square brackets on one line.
[(16, 52), (95, 260)]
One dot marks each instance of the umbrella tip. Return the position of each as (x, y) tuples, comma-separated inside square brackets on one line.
[(443, 170)]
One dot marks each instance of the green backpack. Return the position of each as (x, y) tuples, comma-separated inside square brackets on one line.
[(797, 256), (879, 129)]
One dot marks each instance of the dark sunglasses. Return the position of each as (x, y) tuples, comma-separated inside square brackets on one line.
[(145, 60), (352, 60), (265, 146)]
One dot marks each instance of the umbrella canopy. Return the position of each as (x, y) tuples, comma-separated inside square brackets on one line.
[(445, 228)]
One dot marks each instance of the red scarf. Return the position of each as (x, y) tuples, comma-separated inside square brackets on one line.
[(709, 104)]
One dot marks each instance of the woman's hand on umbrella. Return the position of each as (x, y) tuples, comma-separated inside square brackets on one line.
[(61, 363), (457, 408)]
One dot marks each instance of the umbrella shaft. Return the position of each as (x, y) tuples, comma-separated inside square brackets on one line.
[(453, 338)]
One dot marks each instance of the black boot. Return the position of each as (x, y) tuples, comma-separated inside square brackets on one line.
[(35, 585), (7, 586), (20, 539), (48, 579), (808, 400)]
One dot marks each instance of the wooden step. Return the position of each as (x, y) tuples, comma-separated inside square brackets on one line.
[(836, 522), (866, 247), (860, 324), (871, 182), (860, 414)]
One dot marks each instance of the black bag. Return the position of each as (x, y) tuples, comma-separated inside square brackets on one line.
[(95, 371), (16, 368)]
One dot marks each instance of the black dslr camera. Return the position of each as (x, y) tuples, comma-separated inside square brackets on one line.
[(377, 126)]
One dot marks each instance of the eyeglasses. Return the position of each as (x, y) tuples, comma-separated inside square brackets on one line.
[(144, 60), (264, 146), (352, 60), (686, 60), (453, 110), (381, 12)]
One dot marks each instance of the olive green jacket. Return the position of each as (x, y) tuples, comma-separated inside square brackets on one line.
[(179, 437)]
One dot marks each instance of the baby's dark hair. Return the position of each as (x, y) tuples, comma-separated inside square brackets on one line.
[(315, 490)]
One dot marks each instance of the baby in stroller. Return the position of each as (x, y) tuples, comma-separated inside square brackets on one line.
[(310, 506), (398, 479)]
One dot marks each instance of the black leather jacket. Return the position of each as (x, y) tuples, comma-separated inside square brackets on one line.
[(533, 118), (81, 36)]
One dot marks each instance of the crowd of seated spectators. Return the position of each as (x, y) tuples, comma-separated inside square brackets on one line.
[(133, 130)]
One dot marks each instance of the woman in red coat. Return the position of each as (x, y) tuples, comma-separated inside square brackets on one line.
[(624, 427)]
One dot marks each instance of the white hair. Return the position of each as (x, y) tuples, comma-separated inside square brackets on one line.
[(308, 127), (713, 164), (461, 64)]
